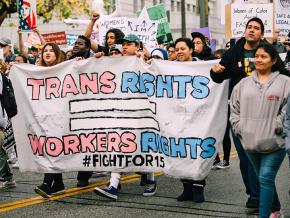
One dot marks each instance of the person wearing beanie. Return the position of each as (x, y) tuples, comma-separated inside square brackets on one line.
[(201, 49)]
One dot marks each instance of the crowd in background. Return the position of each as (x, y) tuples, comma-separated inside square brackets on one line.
[(260, 131)]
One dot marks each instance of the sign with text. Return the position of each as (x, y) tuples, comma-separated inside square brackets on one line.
[(144, 29), (158, 14), (119, 114), (239, 14), (58, 38), (282, 16)]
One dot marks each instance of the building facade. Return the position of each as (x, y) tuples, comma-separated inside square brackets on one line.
[(129, 8)]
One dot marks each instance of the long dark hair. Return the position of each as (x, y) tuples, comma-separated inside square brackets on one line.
[(56, 51), (279, 65), (118, 35)]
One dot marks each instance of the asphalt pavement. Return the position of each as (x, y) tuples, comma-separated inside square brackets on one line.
[(224, 193)]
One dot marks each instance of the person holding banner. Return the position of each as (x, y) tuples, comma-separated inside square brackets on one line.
[(192, 190), (237, 63), (260, 126), (5, 171), (52, 182), (130, 47)]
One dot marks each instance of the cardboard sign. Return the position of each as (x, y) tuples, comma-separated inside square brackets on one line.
[(32, 40), (58, 38), (158, 13), (27, 14), (239, 14), (282, 16)]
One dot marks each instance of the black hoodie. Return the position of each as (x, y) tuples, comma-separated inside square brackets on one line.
[(233, 62)]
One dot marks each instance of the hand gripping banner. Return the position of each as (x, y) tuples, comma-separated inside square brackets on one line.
[(119, 114)]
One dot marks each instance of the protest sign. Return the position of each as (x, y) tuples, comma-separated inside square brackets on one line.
[(27, 14), (107, 23), (71, 39), (32, 40), (282, 16), (158, 13), (204, 30), (119, 114), (145, 29), (58, 38), (239, 14)]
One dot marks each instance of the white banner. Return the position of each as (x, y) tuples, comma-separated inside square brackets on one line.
[(241, 13), (119, 114)]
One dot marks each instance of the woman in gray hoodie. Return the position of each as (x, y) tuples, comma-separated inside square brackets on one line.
[(258, 106)]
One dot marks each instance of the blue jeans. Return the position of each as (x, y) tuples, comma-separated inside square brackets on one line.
[(266, 167), (249, 176)]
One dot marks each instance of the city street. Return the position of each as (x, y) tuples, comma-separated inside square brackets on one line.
[(225, 197)]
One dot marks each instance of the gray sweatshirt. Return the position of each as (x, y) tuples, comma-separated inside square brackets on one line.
[(287, 125), (3, 117), (258, 111)]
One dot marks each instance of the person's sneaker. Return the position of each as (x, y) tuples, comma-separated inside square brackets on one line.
[(277, 214), (82, 183), (16, 165), (223, 165), (214, 165), (7, 184), (143, 180), (57, 189), (198, 194), (252, 203), (150, 188), (108, 192), (43, 190), (119, 186)]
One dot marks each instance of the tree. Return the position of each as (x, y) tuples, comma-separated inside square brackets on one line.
[(47, 8)]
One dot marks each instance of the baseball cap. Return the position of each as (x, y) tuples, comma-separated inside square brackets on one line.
[(131, 38), (116, 47), (5, 41)]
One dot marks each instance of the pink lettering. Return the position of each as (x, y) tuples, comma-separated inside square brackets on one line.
[(54, 146), (35, 83), (101, 142), (52, 87), (71, 144), (36, 144), (129, 145), (87, 83), (86, 142), (113, 142), (69, 86), (107, 80)]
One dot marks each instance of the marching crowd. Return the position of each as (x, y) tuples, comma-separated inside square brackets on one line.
[(258, 117)]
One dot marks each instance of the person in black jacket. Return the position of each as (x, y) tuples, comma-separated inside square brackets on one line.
[(201, 49), (237, 63)]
